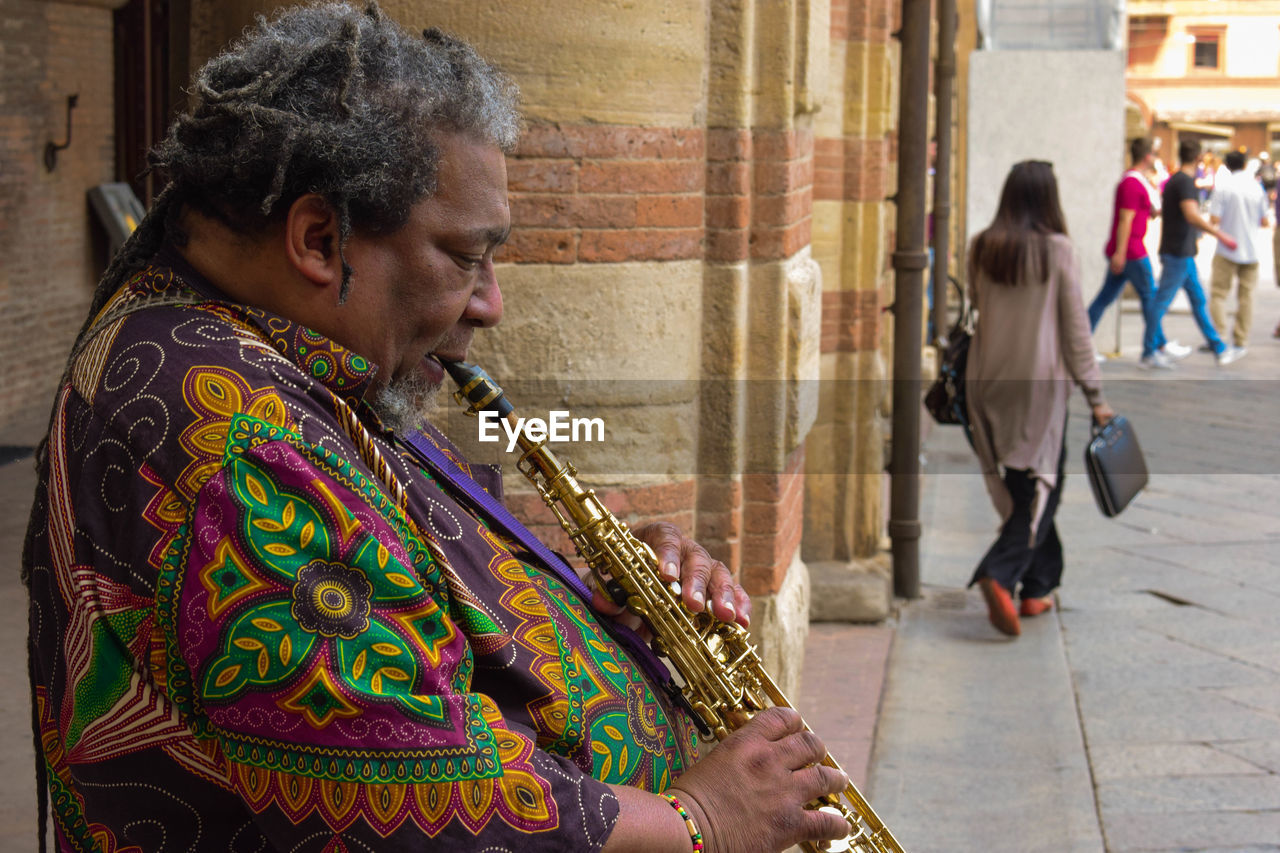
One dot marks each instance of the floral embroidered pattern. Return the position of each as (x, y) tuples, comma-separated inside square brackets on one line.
[(332, 600), (318, 621), (608, 707), (216, 395)]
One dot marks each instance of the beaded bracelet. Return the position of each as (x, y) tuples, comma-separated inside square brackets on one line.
[(688, 822)]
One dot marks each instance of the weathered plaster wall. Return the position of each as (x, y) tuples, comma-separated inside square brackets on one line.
[(1068, 109)]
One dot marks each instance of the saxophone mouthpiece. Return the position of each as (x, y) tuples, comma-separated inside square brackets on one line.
[(477, 388), (461, 372)]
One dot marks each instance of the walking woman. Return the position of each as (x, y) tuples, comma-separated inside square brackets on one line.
[(1031, 344)]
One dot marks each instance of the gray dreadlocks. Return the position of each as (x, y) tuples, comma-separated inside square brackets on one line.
[(328, 99), (323, 99)]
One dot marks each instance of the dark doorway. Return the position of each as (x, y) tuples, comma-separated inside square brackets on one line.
[(151, 59)]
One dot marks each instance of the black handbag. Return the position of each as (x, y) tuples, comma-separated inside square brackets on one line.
[(1117, 470), (945, 399)]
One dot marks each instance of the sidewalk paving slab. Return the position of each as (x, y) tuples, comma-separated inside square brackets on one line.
[(978, 746), (1142, 715)]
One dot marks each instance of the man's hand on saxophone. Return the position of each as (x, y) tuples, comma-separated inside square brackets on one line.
[(702, 579), (770, 783), (748, 795)]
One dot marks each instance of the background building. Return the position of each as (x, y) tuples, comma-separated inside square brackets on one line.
[(1207, 70)]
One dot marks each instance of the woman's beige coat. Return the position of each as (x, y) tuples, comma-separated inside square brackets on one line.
[(1031, 343)]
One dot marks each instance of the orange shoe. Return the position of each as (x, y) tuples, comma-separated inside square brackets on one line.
[(1000, 609), (1036, 606)]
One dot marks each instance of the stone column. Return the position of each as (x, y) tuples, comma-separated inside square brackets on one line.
[(852, 228)]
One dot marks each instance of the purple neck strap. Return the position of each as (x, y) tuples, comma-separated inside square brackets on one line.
[(426, 451)]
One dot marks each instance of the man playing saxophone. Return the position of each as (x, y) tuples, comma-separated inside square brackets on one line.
[(260, 618)]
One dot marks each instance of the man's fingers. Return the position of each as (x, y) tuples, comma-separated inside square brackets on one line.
[(776, 723), (665, 540), (668, 562), (695, 572), (819, 781), (705, 583), (801, 749), (682, 559), (823, 826), (742, 604), (720, 592)]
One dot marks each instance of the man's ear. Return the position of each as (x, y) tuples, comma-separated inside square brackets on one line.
[(311, 240)]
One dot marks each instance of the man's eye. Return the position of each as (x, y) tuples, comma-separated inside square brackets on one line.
[(469, 262)]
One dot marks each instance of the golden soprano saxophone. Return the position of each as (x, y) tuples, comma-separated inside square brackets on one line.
[(725, 682)]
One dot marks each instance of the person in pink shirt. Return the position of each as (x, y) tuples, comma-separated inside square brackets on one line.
[(1128, 262)]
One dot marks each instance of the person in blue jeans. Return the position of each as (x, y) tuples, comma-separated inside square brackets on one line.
[(1127, 260), (1180, 229), (1137, 272)]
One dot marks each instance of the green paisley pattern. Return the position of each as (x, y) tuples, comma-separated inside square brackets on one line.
[(317, 618)]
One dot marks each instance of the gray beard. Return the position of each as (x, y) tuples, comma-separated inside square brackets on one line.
[(405, 404)]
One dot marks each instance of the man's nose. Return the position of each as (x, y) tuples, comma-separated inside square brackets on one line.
[(485, 307)]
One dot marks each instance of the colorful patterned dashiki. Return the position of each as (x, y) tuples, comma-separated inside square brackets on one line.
[(240, 643)]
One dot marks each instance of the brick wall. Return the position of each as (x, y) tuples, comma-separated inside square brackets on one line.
[(759, 194), (773, 521), (720, 519), (850, 320), (52, 256), (606, 194), (851, 169), (854, 168), (753, 523), (866, 20), (760, 191), (854, 175)]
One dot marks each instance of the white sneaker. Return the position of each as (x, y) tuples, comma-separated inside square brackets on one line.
[(1099, 357), (1175, 351), (1230, 354), (1156, 361)]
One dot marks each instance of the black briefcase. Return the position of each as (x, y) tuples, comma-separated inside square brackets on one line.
[(1117, 471)]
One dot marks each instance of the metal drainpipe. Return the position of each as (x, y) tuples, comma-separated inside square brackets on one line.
[(944, 82), (909, 263)]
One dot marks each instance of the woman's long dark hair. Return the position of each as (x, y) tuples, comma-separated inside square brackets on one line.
[(1017, 241)]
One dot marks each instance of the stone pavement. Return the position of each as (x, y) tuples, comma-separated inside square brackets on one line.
[(1145, 714)]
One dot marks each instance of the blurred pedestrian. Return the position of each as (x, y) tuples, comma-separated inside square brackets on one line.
[(1204, 177), (1136, 201), (1266, 175), (1275, 242), (1180, 230), (1239, 206), (1032, 342), (1159, 174)]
